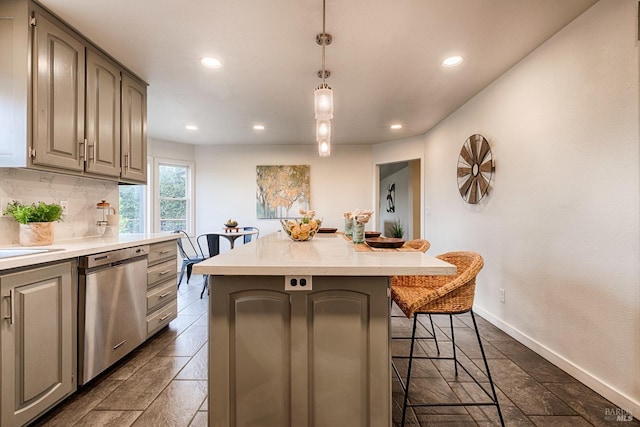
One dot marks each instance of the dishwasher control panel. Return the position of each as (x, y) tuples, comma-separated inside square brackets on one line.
[(104, 258)]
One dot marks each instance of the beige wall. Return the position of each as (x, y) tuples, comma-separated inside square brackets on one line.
[(560, 231)]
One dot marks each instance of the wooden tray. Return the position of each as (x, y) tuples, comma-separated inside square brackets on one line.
[(327, 230), (384, 242), (371, 234)]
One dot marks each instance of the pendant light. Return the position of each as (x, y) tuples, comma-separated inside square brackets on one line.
[(323, 96)]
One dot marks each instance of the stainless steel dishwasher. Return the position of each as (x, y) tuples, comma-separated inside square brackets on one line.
[(112, 306)]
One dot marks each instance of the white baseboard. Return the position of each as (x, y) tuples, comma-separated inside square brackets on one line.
[(610, 393)]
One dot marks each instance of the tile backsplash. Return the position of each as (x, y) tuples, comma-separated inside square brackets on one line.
[(81, 193)]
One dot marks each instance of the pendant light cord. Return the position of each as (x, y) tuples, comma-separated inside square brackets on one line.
[(324, 42)]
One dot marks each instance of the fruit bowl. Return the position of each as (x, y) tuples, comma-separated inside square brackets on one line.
[(231, 224), (301, 230)]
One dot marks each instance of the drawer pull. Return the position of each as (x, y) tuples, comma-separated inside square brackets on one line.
[(162, 273), (165, 316), (165, 294), (119, 344), (164, 251)]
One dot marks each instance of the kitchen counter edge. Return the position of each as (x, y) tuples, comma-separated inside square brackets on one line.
[(73, 248)]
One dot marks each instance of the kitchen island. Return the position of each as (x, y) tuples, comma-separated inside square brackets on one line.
[(299, 332)]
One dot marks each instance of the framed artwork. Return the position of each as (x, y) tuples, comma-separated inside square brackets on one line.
[(282, 190)]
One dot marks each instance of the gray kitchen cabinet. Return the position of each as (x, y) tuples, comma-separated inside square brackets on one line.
[(162, 289), (58, 96), (102, 128), (134, 129), (47, 68), (37, 340), (299, 358)]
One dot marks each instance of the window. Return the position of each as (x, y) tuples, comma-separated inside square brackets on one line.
[(174, 204), (167, 200), (134, 206)]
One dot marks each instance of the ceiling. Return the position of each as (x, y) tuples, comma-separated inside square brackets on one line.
[(384, 60)]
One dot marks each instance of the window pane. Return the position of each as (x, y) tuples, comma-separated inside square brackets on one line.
[(131, 208), (171, 210), (173, 224), (172, 181)]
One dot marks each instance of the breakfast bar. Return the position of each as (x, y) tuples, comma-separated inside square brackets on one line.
[(299, 331)]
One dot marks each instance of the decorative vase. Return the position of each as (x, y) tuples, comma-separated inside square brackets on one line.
[(36, 234), (358, 232), (348, 227)]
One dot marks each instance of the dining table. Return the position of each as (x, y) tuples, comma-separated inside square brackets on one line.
[(231, 234)]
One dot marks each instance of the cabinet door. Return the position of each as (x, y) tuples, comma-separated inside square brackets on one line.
[(102, 115), (134, 130), (37, 341), (58, 96), (306, 358)]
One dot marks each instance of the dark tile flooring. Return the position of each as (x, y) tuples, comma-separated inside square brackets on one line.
[(164, 382)]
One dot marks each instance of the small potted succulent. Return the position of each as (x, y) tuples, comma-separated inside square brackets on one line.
[(36, 221)]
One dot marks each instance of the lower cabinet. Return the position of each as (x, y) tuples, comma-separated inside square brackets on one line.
[(162, 286), (299, 358), (37, 340)]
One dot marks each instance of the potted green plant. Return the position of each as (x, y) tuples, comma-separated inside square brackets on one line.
[(396, 229), (36, 221)]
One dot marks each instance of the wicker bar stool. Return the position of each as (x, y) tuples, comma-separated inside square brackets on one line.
[(451, 295), (421, 245)]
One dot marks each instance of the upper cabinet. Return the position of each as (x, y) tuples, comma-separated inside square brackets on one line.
[(78, 111), (134, 129)]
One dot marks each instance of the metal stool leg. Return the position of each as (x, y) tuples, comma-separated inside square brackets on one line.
[(204, 285), (486, 366), (406, 390)]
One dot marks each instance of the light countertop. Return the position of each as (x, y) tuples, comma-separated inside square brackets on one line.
[(65, 249), (325, 255)]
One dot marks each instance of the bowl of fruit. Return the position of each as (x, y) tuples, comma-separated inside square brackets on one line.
[(302, 229), (231, 223)]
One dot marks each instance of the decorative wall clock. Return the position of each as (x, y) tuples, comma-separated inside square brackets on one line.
[(475, 169)]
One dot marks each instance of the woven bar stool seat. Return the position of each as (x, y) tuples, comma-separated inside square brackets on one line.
[(450, 295)]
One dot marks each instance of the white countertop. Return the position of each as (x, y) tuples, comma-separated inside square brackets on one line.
[(325, 255), (65, 249)]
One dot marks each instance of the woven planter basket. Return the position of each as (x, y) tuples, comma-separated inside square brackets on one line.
[(36, 234)]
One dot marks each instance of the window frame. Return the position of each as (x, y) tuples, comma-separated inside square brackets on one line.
[(190, 191)]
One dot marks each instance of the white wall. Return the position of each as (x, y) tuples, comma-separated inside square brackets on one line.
[(226, 183), (560, 230)]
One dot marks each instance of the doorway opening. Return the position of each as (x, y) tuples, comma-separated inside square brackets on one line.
[(399, 200)]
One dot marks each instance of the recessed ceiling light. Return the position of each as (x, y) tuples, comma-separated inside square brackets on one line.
[(191, 127), (211, 62), (396, 126), (258, 127), (452, 61)]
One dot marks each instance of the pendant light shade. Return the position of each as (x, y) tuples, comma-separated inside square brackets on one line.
[(324, 147), (323, 129), (323, 99)]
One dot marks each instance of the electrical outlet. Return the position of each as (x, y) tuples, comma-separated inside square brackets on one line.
[(501, 295), (297, 283), (65, 206)]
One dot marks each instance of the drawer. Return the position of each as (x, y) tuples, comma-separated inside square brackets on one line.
[(162, 317), (159, 252), (161, 294), (161, 272)]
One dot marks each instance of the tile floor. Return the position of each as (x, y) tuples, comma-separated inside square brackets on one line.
[(164, 382)]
